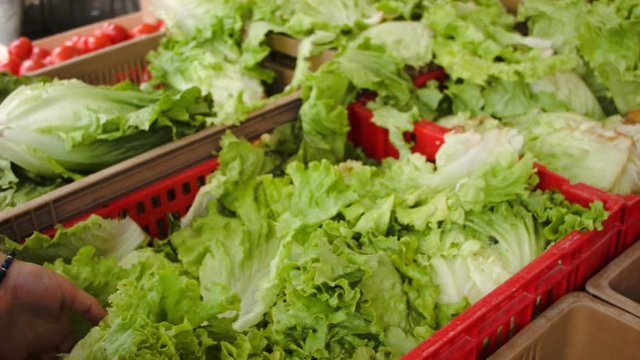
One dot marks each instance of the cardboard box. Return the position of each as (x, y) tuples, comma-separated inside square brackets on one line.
[(578, 327), (619, 283)]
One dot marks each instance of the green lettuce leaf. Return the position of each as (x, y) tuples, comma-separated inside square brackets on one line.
[(415, 50), (187, 18), (213, 64), (241, 211), (558, 21), (300, 18), (477, 41), (97, 275), (27, 189), (573, 145), (109, 237), (562, 91), (604, 34), (155, 312), (579, 148)]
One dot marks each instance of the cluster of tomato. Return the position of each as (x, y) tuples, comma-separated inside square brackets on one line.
[(25, 58)]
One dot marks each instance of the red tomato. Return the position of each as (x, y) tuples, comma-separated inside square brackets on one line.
[(160, 24), (20, 48), (31, 65), (114, 33), (10, 65), (73, 40), (79, 43), (97, 42), (144, 29), (39, 53), (98, 33), (62, 53)]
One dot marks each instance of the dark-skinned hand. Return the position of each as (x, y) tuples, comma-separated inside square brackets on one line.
[(35, 308)]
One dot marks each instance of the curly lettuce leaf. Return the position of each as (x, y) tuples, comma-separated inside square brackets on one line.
[(114, 238), (476, 41)]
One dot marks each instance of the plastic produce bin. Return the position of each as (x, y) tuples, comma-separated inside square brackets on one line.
[(108, 66), (578, 327), (129, 21), (479, 330), (619, 283), (631, 231), (565, 267)]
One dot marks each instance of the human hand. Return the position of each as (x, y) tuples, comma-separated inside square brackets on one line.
[(35, 308)]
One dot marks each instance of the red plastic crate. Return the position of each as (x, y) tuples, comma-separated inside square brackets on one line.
[(437, 74), (153, 206), (566, 266), (486, 325), (631, 230), (494, 319), (373, 139)]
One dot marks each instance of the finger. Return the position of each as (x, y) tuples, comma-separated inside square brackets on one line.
[(81, 302)]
